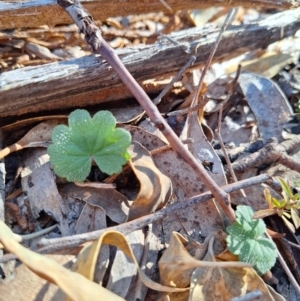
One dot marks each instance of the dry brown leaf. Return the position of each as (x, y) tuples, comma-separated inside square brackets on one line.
[(268, 65), (74, 285), (155, 187), (27, 286), (38, 182), (123, 270), (25, 122), (226, 283), (91, 218), (39, 136), (113, 202), (177, 265), (268, 103), (94, 218), (86, 260), (186, 184)]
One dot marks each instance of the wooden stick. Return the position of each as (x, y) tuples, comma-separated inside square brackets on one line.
[(35, 13)]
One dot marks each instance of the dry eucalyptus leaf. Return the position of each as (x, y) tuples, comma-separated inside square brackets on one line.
[(214, 283), (186, 183), (268, 65), (155, 187), (28, 286), (91, 219), (268, 103), (38, 182), (94, 218), (176, 265), (123, 269), (39, 136), (26, 122), (129, 114), (113, 202), (55, 273), (85, 264)]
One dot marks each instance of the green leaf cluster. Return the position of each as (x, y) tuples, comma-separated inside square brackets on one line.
[(86, 139), (246, 240)]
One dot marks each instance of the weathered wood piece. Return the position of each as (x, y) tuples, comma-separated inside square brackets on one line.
[(89, 80), (39, 12)]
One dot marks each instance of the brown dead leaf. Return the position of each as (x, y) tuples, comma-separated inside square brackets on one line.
[(113, 202), (268, 103), (38, 182), (30, 121), (91, 218), (27, 286), (94, 218), (155, 187), (226, 283), (55, 273), (123, 270), (85, 264), (268, 65), (39, 136), (196, 220), (177, 265)]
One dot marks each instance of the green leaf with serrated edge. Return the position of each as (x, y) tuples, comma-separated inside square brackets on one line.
[(246, 240), (87, 138)]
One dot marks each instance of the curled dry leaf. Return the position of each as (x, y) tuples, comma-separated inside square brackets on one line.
[(123, 269), (53, 272), (39, 136), (113, 202), (268, 103), (210, 284), (176, 265), (155, 187), (185, 183), (86, 260)]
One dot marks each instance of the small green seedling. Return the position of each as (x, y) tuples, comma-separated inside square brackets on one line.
[(246, 240), (286, 208), (86, 139)]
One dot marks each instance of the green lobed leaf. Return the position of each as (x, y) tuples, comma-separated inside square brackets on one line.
[(246, 240), (87, 138)]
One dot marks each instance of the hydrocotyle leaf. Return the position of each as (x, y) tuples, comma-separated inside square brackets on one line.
[(86, 139), (246, 240)]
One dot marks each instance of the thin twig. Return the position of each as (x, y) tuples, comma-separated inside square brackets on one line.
[(291, 243), (227, 21), (148, 219), (271, 152), (92, 34), (249, 297), (218, 134), (201, 104), (189, 63), (286, 269), (55, 244)]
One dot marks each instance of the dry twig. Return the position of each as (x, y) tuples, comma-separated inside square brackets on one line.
[(270, 153)]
